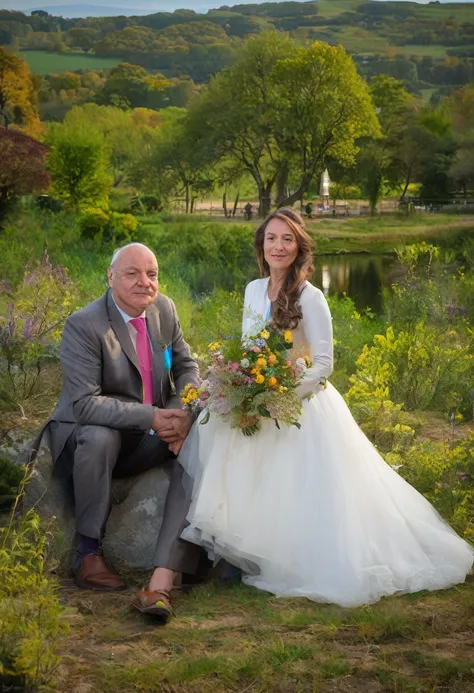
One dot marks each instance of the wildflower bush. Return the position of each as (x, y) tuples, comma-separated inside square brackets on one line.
[(444, 472), (31, 623), (31, 322)]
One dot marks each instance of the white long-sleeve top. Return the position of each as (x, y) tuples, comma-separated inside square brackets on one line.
[(313, 334)]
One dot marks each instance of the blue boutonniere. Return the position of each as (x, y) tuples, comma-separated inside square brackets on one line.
[(168, 362)]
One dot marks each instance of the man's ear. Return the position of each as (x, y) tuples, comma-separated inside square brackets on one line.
[(110, 274)]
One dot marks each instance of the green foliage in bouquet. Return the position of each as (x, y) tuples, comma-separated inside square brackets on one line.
[(30, 614), (250, 380)]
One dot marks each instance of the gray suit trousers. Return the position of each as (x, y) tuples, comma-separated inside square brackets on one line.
[(93, 455)]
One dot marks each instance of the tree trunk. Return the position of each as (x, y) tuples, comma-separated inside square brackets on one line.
[(407, 183), (224, 203), (298, 193), (236, 202), (265, 199), (187, 197), (193, 202), (281, 182)]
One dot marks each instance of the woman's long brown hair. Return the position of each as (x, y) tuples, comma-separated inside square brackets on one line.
[(287, 312)]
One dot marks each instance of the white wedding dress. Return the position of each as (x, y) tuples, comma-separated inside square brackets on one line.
[(314, 512)]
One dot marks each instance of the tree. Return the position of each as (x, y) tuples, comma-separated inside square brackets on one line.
[(23, 169), (172, 163), (17, 94), (326, 108), (280, 110), (375, 169), (131, 86), (461, 110), (78, 164)]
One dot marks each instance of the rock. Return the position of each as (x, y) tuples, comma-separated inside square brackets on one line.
[(14, 443), (135, 518)]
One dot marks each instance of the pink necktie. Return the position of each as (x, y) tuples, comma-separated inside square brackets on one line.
[(144, 359)]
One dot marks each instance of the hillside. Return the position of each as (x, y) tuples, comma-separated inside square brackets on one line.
[(430, 47)]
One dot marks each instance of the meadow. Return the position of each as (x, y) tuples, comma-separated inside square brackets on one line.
[(45, 63)]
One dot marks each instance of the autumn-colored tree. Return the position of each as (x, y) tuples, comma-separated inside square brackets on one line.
[(23, 169), (17, 94)]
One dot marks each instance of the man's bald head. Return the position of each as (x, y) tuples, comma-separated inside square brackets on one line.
[(133, 278)]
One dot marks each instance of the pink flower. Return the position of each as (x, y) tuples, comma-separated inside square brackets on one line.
[(234, 366), (256, 349)]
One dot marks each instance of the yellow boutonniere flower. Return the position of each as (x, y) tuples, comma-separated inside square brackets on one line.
[(288, 336)]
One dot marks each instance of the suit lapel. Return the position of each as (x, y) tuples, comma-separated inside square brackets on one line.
[(154, 331), (121, 330)]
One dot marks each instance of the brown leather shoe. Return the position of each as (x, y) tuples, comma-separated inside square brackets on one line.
[(93, 574), (154, 603)]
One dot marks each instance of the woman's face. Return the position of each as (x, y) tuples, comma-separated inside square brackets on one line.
[(280, 247)]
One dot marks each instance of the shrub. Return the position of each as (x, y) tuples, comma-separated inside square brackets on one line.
[(10, 477), (420, 368), (444, 473), (106, 226), (30, 613), (30, 331)]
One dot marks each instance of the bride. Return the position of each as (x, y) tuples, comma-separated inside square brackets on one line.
[(314, 512)]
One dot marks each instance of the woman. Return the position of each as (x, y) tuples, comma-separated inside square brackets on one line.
[(314, 512)]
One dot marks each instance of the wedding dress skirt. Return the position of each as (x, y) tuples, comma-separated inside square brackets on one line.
[(316, 512)]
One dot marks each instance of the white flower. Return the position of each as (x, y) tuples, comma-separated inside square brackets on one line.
[(245, 363), (300, 367)]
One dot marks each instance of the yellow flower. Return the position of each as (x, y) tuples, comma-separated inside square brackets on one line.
[(254, 371), (281, 389), (185, 400), (264, 334), (214, 346), (288, 336), (272, 359), (192, 394), (261, 362), (272, 381), (259, 379)]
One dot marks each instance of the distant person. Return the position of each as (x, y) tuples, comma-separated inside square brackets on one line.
[(248, 210), (309, 210)]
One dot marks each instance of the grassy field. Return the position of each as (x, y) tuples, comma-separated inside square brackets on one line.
[(43, 63), (237, 639)]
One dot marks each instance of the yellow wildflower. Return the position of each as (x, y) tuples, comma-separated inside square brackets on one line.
[(261, 362), (264, 334), (259, 379), (288, 336), (281, 389), (214, 346), (272, 381)]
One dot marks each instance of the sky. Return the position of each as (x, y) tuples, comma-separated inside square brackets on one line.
[(132, 6)]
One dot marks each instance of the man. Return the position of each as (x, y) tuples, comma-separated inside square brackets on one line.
[(124, 362)]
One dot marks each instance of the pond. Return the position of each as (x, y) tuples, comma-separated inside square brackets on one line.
[(360, 275)]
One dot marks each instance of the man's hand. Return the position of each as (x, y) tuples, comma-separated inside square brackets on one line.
[(175, 448), (169, 424)]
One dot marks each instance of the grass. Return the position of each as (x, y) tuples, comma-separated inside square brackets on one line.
[(236, 639), (43, 63)]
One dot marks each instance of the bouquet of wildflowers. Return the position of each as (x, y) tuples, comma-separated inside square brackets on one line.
[(250, 380)]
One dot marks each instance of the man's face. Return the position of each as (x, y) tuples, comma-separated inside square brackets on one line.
[(134, 280)]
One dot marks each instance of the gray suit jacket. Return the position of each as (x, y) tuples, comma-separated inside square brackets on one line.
[(102, 385)]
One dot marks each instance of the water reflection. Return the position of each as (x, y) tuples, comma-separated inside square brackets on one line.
[(360, 276)]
